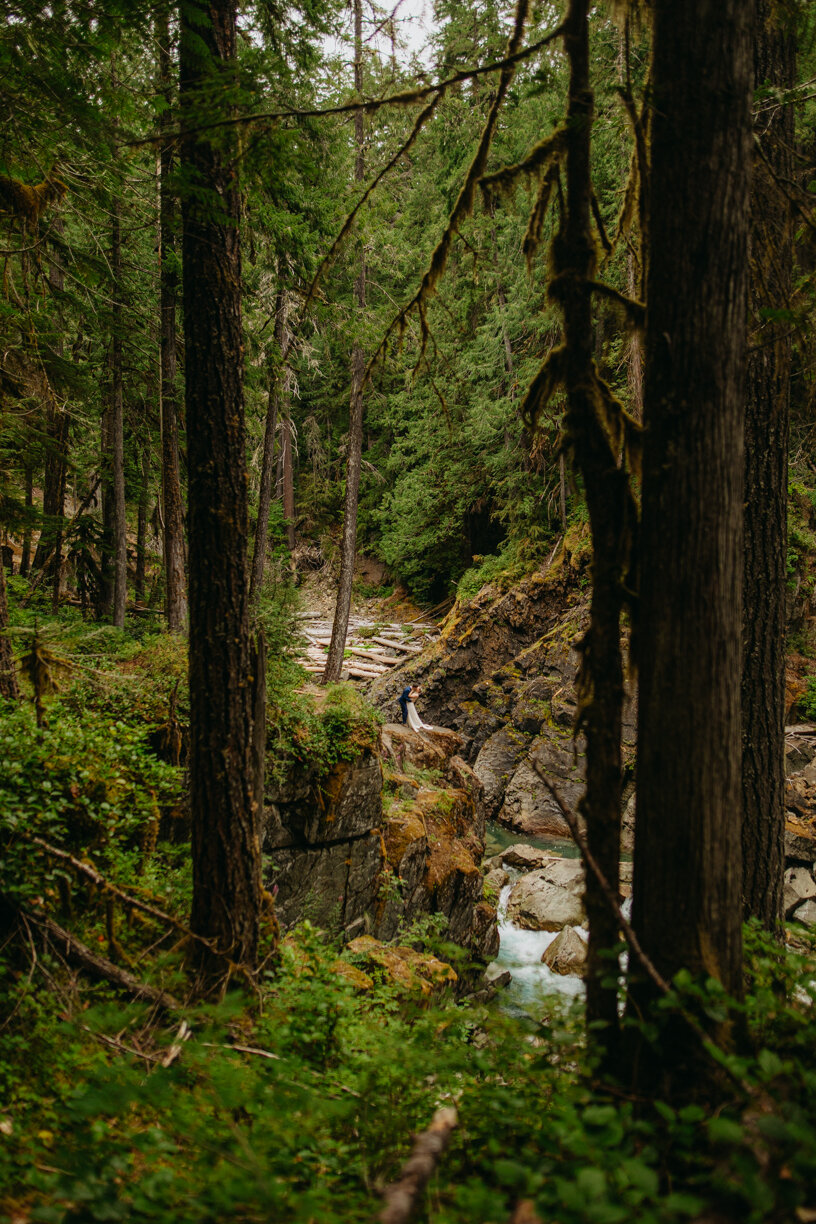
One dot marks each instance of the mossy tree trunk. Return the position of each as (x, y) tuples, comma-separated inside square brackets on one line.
[(225, 844), (605, 481), (687, 908), (766, 480)]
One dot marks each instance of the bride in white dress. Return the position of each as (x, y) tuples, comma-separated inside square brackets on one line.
[(414, 721)]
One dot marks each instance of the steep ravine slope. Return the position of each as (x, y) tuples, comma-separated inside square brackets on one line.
[(503, 675), (376, 843)]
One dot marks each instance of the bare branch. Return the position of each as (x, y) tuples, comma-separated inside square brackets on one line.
[(402, 1197), (403, 98), (464, 203), (328, 259)]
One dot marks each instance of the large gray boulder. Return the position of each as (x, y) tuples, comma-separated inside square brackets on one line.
[(799, 887), (529, 805), (567, 873), (536, 904), (321, 838), (567, 953), (525, 858), (495, 765), (806, 914)]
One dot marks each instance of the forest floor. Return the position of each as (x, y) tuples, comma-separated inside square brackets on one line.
[(299, 1101)]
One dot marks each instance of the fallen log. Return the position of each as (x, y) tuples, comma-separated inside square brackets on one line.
[(76, 953), (402, 1197), (373, 655), (397, 645), (107, 885)]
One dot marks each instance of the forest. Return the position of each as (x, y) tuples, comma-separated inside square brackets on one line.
[(408, 611)]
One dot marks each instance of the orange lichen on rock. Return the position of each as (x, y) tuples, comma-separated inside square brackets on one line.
[(403, 828), (405, 967)]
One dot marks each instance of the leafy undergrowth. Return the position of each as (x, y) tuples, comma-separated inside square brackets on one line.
[(302, 1106), (299, 1102)]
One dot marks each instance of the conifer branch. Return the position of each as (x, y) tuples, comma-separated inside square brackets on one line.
[(329, 257), (464, 203)]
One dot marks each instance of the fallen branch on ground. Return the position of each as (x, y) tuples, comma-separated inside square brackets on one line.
[(402, 1197), (77, 953), (102, 882)]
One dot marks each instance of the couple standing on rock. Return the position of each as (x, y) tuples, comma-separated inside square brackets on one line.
[(409, 711)]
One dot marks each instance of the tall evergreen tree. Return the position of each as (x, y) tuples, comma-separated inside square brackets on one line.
[(173, 525), (687, 877), (766, 476), (225, 847)]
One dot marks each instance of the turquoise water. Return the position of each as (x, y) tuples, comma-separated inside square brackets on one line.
[(498, 838)]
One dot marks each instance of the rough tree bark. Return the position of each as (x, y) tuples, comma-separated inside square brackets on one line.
[(348, 546), (225, 845), (687, 871), (605, 481), (766, 482), (173, 536)]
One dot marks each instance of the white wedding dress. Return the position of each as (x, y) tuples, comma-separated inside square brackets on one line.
[(414, 721)]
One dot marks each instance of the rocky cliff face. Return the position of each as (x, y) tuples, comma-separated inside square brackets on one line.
[(503, 675), (381, 841)]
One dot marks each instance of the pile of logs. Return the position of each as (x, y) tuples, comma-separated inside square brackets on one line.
[(368, 655)]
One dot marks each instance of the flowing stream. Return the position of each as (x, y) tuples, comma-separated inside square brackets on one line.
[(532, 984)]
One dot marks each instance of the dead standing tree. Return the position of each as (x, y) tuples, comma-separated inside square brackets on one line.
[(348, 547)]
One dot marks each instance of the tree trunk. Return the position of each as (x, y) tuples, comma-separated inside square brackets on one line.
[(605, 482), (278, 390), (9, 687), (288, 480), (766, 485), (687, 869), (25, 556), (64, 426), (348, 547), (117, 426), (51, 484), (225, 845), (173, 535), (59, 426), (104, 606), (634, 350), (141, 530)]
